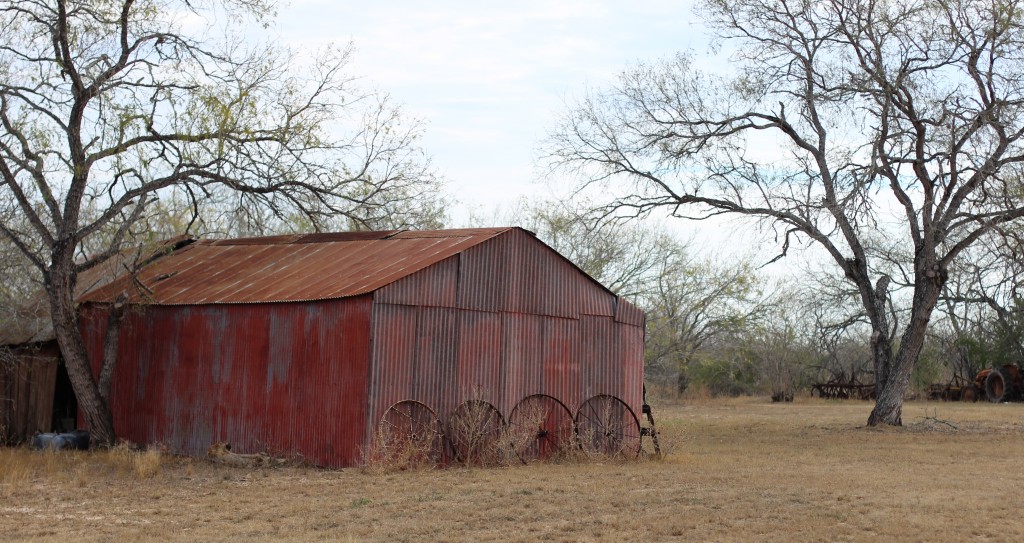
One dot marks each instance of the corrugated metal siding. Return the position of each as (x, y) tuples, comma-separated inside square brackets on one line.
[(561, 364), (601, 367), (628, 313), (437, 340), (290, 379), (443, 357), (516, 273), (481, 372), (631, 343), (414, 358), (435, 286), (522, 358), (393, 360)]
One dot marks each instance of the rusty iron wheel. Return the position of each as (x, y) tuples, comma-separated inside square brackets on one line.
[(607, 426), (410, 433), (540, 427), (474, 430)]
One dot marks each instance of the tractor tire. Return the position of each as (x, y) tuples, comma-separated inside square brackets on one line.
[(999, 386), (969, 394)]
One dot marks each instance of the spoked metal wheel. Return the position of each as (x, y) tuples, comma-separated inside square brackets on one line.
[(539, 427), (607, 426), (409, 434), (474, 430)]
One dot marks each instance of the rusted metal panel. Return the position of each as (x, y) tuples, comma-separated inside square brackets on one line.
[(522, 358), (393, 359), (27, 380), (631, 343), (517, 273), (484, 277), (290, 379), (292, 268), (626, 312), (480, 370), (414, 357), (434, 286), (436, 353), (597, 348), (611, 360), (561, 364)]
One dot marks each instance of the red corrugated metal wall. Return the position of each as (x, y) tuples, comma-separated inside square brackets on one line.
[(501, 321), (287, 378)]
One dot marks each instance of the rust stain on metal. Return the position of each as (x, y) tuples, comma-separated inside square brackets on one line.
[(286, 378)]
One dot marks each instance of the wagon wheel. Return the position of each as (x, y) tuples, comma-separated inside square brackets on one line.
[(608, 427), (474, 429), (539, 427), (409, 435)]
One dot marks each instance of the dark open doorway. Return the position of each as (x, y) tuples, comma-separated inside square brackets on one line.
[(65, 405)]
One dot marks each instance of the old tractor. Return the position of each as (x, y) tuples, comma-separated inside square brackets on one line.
[(999, 384)]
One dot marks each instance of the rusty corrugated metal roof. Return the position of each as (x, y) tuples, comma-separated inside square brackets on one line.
[(292, 268)]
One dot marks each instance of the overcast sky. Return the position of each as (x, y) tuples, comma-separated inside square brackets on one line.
[(489, 78)]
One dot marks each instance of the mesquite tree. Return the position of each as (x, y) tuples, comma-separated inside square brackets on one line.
[(838, 123), (108, 107)]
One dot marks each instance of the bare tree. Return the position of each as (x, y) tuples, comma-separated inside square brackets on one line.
[(843, 122), (983, 303), (109, 107)]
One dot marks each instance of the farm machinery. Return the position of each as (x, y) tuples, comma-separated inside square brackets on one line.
[(999, 384)]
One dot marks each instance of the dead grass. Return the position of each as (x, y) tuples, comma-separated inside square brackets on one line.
[(740, 470), (21, 468)]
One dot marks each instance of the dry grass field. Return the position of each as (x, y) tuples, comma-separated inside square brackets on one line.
[(739, 470)]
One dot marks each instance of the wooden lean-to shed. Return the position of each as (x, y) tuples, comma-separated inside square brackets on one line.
[(309, 345)]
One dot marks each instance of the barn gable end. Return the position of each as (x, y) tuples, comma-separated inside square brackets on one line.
[(518, 319), (511, 273)]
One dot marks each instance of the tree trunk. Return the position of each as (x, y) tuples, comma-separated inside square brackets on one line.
[(888, 404), (891, 386), (61, 286), (115, 316)]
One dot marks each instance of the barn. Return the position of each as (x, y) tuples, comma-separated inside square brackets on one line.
[(312, 345)]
